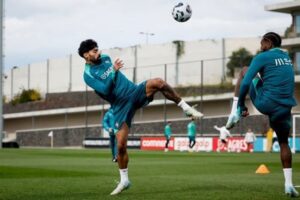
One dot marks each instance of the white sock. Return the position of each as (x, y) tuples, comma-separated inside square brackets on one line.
[(124, 175), (183, 105), (288, 176), (234, 105)]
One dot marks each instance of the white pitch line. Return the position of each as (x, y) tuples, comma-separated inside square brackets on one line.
[(297, 186)]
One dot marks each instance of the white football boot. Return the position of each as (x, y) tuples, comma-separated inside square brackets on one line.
[(193, 113), (291, 191), (121, 187), (233, 119)]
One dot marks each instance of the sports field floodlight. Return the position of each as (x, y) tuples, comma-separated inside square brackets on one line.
[(12, 80), (147, 34), (1, 69)]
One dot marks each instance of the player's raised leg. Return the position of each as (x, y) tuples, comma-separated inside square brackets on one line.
[(157, 84), (234, 116), (122, 137)]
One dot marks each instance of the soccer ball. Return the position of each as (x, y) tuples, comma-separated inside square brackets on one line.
[(182, 12)]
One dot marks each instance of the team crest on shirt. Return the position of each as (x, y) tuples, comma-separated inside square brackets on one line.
[(117, 124)]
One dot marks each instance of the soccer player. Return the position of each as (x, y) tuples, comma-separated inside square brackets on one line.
[(191, 132), (272, 93), (108, 123), (124, 96), (250, 139), (223, 135), (168, 133)]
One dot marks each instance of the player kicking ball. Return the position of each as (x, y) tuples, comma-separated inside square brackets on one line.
[(271, 92), (124, 96)]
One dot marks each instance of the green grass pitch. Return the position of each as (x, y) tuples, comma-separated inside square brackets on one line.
[(89, 174)]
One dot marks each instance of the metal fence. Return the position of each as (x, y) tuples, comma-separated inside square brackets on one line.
[(206, 72), (65, 74)]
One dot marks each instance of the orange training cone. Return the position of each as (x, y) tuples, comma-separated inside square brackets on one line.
[(262, 169)]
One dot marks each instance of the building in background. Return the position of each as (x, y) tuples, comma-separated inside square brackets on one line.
[(291, 42)]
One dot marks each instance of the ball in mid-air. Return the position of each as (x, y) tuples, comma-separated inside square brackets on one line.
[(182, 12)]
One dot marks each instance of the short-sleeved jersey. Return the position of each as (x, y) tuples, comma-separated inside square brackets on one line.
[(224, 133), (250, 137), (191, 127), (168, 131)]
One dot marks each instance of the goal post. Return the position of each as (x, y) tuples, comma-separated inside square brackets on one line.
[(294, 133)]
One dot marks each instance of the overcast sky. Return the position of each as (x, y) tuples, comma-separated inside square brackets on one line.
[(39, 29)]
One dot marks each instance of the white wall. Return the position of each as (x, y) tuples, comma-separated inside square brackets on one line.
[(77, 73), (59, 74)]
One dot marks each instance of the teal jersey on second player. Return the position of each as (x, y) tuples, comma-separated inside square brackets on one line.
[(191, 127), (168, 131), (277, 74), (110, 85)]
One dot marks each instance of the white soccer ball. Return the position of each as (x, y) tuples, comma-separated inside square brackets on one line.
[(182, 12)]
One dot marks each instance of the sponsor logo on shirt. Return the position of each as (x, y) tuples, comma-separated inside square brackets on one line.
[(106, 73), (283, 61)]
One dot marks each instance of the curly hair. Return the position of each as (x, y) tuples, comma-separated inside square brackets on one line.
[(86, 46)]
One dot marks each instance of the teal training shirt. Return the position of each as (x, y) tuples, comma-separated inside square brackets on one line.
[(277, 74), (191, 129), (111, 86), (168, 130)]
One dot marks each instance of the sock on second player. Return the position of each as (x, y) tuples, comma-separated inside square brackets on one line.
[(183, 105), (288, 176), (234, 105)]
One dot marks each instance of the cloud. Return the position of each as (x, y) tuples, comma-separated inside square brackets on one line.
[(36, 30)]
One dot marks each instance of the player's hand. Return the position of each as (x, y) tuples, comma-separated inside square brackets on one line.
[(244, 111), (118, 64)]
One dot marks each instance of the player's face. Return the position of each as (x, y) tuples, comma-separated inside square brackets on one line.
[(93, 55), (265, 44)]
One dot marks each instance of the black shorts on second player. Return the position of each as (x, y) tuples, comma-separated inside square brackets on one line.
[(192, 138), (224, 141)]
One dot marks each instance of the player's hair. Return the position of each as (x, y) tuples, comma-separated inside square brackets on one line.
[(274, 38), (86, 46)]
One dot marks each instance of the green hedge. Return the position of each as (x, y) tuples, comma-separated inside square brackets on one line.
[(26, 96)]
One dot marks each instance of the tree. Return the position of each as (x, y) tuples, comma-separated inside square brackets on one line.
[(26, 96), (238, 59), (289, 31)]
